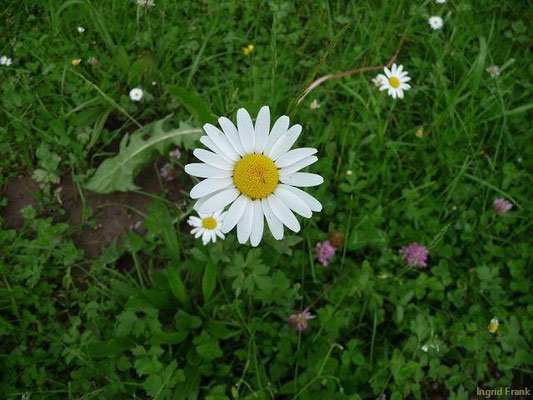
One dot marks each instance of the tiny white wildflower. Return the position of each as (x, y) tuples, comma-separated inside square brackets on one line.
[(208, 226), (3, 60), (81, 29), (314, 105), (440, 1), (494, 71), (377, 81), (146, 3), (136, 94), (436, 22)]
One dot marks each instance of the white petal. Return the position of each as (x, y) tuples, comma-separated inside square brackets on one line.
[(213, 236), (298, 166), (285, 143), (219, 200), (284, 214), (274, 224), (206, 171), (209, 186), (214, 148), (206, 236), (199, 233), (302, 179), (313, 203), (294, 156), (212, 159), (219, 234), (293, 202), (232, 133), (262, 127), (194, 230), (258, 224), (244, 227), (221, 141), (246, 130), (387, 72), (279, 128), (194, 221), (234, 214)]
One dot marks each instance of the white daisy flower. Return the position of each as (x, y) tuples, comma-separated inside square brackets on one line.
[(440, 1), (494, 71), (435, 22), (252, 169), (314, 105), (3, 60), (494, 325), (136, 94), (207, 226), (81, 29), (377, 81), (395, 81)]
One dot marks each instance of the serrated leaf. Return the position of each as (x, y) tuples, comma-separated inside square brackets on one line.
[(194, 104), (117, 173)]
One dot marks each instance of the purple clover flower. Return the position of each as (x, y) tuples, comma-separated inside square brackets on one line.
[(415, 255), (167, 172), (501, 206), (324, 252), (299, 319), (176, 153)]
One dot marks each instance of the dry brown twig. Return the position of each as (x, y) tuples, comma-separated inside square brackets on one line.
[(354, 71)]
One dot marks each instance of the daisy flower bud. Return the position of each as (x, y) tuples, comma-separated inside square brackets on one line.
[(415, 255), (299, 319), (324, 252), (248, 49), (501, 206)]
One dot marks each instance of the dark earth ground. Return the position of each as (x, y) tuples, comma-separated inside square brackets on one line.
[(112, 214)]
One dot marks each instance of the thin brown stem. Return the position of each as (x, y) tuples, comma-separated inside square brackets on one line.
[(324, 78)]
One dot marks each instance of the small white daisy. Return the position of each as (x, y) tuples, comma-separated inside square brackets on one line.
[(494, 71), (440, 1), (81, 29), (207, 226), (136, 94), (314, 105), (436, 22), (5, 60), (395, 81), (252, 169), (377, 81)]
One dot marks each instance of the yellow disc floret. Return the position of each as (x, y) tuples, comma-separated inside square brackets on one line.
[(209, 223), (394, 82), (256, 176)]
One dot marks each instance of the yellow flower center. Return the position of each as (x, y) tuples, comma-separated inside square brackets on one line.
[(209, 223), (256, 176), (394, 82)]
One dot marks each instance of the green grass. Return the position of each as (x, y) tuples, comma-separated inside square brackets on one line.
[(185, 321)]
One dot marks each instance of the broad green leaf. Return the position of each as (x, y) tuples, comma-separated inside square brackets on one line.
[(117, 173), (161, 221), (194, 104), (176, 286), (209, 280)]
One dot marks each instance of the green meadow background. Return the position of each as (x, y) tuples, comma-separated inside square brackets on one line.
[(159, 316)]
